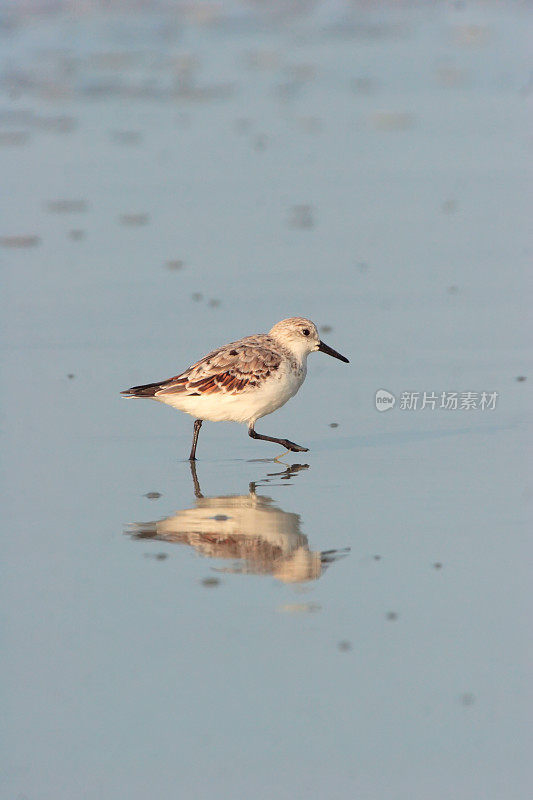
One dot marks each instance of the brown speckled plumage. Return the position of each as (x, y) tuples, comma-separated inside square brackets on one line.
[(236, 367)]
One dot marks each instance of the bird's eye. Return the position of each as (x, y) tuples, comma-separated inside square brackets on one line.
[(306, 331)]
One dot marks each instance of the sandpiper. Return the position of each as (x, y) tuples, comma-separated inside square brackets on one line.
[(244, 380)]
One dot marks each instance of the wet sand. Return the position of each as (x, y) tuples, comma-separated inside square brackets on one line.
[(173, 181)]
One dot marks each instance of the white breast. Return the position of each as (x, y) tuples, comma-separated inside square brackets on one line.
[(278, 389)]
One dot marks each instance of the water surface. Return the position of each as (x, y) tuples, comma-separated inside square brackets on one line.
[(354, 628)]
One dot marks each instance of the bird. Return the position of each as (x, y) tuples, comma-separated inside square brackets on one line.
[(244, 380)]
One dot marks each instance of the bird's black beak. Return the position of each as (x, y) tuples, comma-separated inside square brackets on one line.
[(331, 352)]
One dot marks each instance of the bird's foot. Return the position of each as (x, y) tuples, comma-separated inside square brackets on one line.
[(296, 448)]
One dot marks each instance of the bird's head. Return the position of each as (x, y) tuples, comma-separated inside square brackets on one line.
[(300, 336)]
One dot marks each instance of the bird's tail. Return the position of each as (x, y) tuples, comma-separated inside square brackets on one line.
[(147, 390)]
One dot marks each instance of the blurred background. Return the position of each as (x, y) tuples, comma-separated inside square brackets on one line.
[(176, 175)]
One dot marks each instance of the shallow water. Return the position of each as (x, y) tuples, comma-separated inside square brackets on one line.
[(355, 627)]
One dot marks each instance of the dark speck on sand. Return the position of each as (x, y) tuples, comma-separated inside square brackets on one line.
[(467, 699), (126, 137), (76, 235), (20, 241), (302, 216), (134, 220), (449, 206), (210, 583), (66, 206)]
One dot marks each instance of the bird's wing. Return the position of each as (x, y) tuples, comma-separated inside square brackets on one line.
[(233, 368)]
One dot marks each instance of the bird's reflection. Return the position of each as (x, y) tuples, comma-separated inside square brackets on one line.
[(249, 529)]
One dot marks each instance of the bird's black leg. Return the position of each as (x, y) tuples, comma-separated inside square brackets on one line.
[(197, 426), (283, 442)]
